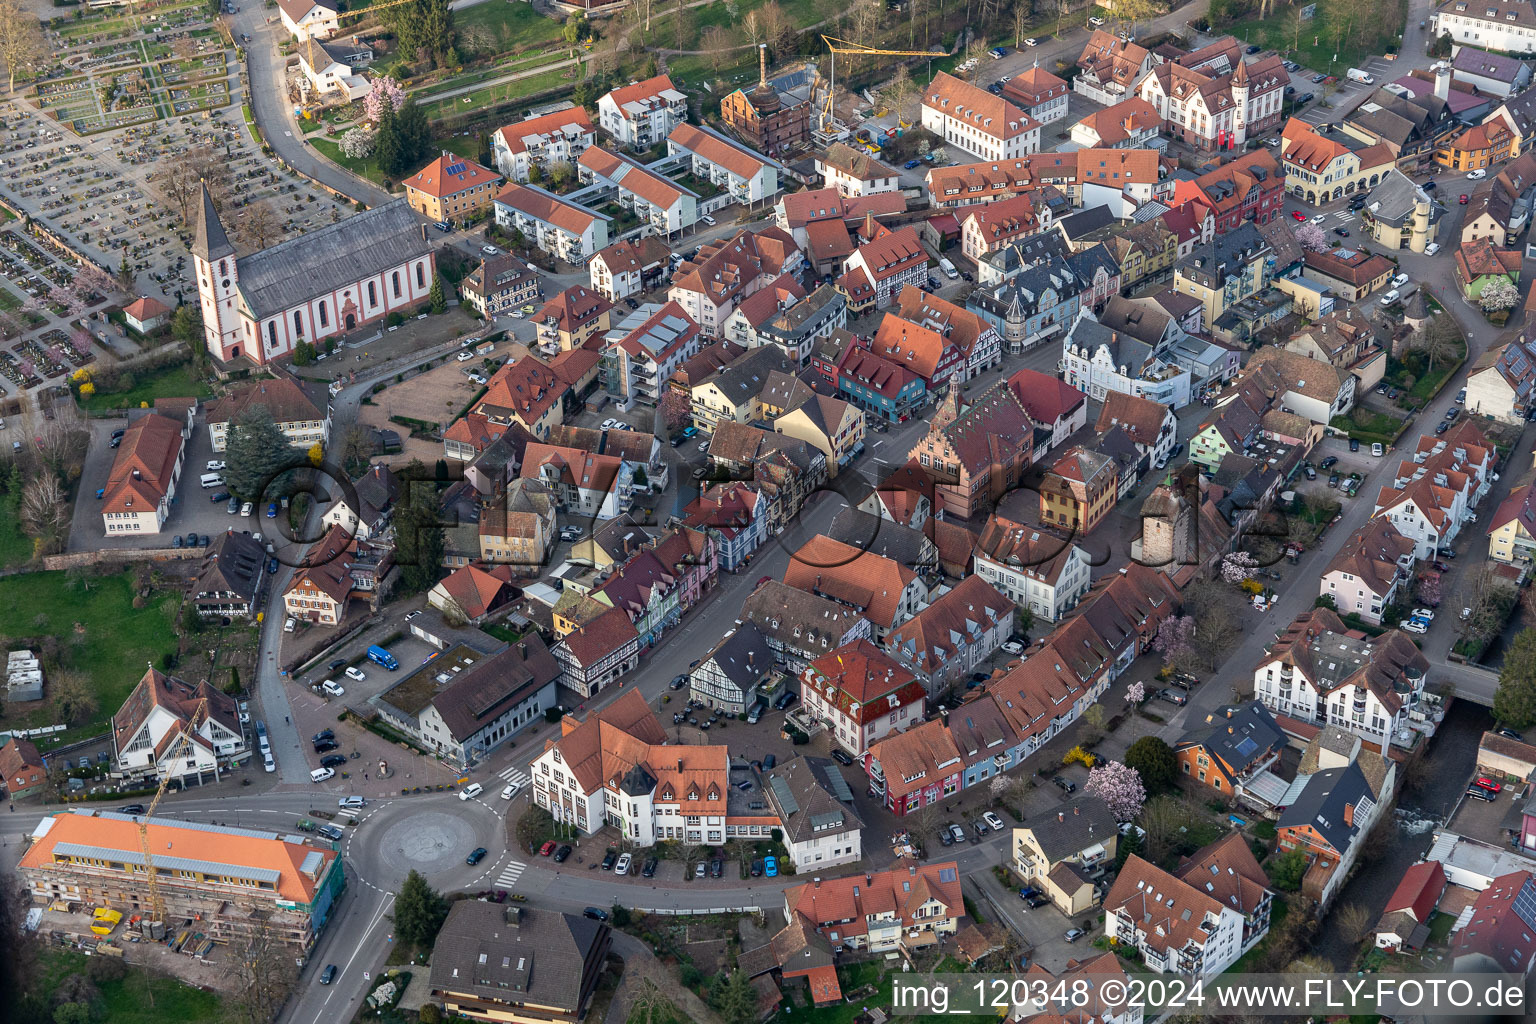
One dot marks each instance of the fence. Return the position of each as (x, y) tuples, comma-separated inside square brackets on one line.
[(700, 912)]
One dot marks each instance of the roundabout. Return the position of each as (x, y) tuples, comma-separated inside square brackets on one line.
[(432, 839)]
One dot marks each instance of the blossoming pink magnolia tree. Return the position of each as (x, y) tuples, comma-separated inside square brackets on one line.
[(1119, 786)]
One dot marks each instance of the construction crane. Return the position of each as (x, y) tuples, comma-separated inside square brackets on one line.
[(156, 905), (373, 7), (850, 49)]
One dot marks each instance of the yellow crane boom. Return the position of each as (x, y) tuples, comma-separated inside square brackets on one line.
[(156, 905), (847, 48), (371, 8)]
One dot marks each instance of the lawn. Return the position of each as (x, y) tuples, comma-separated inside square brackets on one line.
[(508, 26), (497, 95), (368, 168), (172, 382), (132, 1001), (101, 633), (15, 546), (1367, 427), (8, 298), (1317, 45), (1440, 928)]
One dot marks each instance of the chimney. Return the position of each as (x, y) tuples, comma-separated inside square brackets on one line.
[(1443, 81), (1075, 809), (522, 649), (762, 65), (679, 764), (1349, 814)]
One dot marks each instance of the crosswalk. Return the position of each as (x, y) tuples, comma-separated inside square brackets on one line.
[(514, 775), (510, 874)]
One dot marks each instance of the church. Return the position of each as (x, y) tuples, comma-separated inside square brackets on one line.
[(308, 288)]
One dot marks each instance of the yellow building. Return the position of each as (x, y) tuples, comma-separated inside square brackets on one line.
[(1508, 539), (1322, 168), (451, 188), (830, 424), (1079, 490)]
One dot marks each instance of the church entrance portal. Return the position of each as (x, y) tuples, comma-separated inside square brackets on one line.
[(351, 321)]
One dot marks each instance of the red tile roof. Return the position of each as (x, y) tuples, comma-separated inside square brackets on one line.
[(449, 175), (145, 463)]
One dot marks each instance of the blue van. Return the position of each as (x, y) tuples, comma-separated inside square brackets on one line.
[(380, 656)]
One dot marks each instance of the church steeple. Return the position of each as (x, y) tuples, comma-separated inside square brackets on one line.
[(209, 242)]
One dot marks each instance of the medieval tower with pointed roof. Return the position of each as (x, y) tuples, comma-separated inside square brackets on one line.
[(316, 286)]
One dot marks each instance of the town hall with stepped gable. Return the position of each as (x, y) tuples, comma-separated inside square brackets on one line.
[(309, 288)]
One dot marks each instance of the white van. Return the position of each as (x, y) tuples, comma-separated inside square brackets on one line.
[(471, 791), (321, 774), (212, 480)]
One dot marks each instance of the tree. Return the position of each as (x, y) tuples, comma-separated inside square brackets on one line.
[(72, 1013), (752, 28), (21, 39), (865, 18), (435, 296), (384, 90), (1311, 238), (1135, 694), (1439, 339), (1167, 820), (419, 911), (1498, 294), (418, 536), (44, 508), (778, 30), (358, 144), (1119, 786), (187, 328), (1237, 566), (738, 1000), (573, 30), (1428, 588), (258, 225), (255, 453), (901, 94), (1155, 762), (717, 41), (264, 973), (1285, 870), (1175, 640), (1001, 785), (675, 410), (72, 697), (1514, 702), (425, 31)]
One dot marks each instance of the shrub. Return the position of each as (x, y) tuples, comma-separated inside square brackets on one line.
[(1077, 755)]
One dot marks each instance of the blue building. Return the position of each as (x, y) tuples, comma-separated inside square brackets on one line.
[(880, 387)]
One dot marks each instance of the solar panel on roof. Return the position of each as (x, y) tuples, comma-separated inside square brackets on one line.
[(457, 168), (946, 874), (784, 796), (840, 787)]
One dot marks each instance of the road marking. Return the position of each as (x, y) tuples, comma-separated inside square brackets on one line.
[(514, 775), (510, 875)]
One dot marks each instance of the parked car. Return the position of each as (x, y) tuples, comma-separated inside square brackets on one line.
[(1073, 934), (353, 672), (1328, 463), (548, 848), (1415, 626), (993, 821), (1065, 785), (1511, 734), (561, 854), (333, 760), (1377, 450), (595, 913), (1479, 793), (1426, 614), (1172, 696), (609, 859), (1486, 783), (648, 869), (771, 867), (841, 757), (621, 866)]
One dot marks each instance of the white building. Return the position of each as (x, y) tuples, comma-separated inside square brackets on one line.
[(331, 68), (629, 268), (1194, 922), (302, 422), (644, 349), (1502, 383), (1431, 495), (316, 286), (863, 694), (145, 472), (161, 706), (1374, 564), (1319, 674), (308, 18), (563, 229), (747, 176), (815, 806), (1037, 570), (554, 138), (977, 121), (1508, 26), (658, 201), (644, 113), (855, 173), (1098, 360)]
